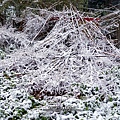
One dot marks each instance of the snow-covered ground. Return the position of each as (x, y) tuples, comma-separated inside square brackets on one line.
[(72, 73)]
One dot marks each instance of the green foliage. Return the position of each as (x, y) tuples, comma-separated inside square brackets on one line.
[(2, 54), (18, 6), (34, 103), (43, 118), (21, 112)]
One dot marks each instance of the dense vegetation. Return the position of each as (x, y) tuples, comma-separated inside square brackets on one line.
[(56, 64)]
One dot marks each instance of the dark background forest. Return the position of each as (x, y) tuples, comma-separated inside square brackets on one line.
[(18, 6)]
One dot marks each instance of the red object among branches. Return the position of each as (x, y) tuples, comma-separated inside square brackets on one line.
[(85, 18), (91, 19)]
